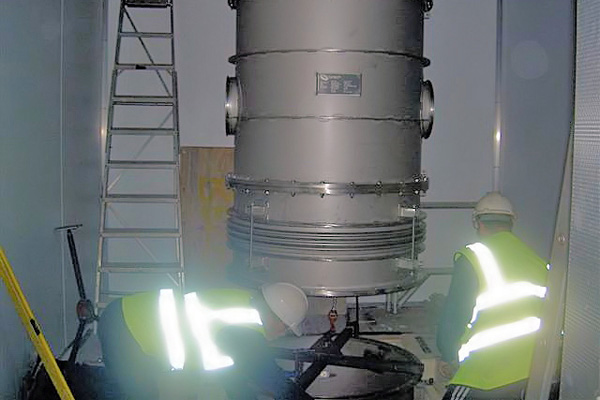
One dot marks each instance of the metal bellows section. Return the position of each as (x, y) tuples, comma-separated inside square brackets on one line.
[(328, 108)]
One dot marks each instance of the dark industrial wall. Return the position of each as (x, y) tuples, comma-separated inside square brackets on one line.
[(50, 82), (580, 378)]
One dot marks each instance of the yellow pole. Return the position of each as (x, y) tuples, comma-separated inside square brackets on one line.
[(33, 328)]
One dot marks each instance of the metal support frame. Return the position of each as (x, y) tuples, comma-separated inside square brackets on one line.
[(395, 301), (448, 205), (328, 351), (328, 347)]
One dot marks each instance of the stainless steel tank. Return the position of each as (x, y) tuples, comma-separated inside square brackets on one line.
[(328, 108)]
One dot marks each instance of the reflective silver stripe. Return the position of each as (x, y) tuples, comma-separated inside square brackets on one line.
[(505, 294), (499, 292), (488, 264), (497, 335), (199, 320), (170, 327), (201, 317), (237, 316)]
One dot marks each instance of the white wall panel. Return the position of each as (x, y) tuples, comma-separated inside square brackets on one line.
[(537, 112), (460, 39), (49, 163)]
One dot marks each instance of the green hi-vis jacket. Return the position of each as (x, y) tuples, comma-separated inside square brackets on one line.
[(141, 313), (498, 343)]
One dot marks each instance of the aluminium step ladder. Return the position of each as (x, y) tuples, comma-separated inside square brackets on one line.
[(140, 240)]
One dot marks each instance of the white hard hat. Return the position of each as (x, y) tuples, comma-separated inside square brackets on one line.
[(288, 302), (493, 203)]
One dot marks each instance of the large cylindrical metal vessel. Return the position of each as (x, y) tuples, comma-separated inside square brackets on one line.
[(328, 109)]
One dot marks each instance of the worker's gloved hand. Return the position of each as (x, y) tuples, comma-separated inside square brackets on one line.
[(447, 370)]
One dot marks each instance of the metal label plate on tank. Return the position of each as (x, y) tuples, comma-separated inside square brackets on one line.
[(339, 84)]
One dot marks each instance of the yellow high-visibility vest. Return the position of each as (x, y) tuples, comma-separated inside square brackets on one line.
[(498, 343), (167, 327)]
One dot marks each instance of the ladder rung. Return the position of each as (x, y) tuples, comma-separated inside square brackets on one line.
[(154, 268), (143, 100), (148, 6), (166, 35), (148, 3), (117, 293), (142, 131), (168, 67), (121, 293), (121, 164), (140, 233), (113, 295), (140, 198)]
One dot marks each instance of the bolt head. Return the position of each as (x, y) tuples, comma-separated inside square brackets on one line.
[(325, 374)]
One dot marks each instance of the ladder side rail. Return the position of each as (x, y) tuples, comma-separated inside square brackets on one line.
[(176, 145), (107, 155)]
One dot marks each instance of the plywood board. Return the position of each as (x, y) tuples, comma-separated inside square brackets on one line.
[(205, 201)]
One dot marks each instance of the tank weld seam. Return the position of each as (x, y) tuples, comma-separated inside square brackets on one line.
[(271, 245), (330, 227), (344, 252), (332, 118), (332, 256), (403, 285), (419, 184), (390, 53), (367, 236)]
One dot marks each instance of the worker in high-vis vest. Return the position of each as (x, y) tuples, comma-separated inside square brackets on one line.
[(487, 332), (223, 333)]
